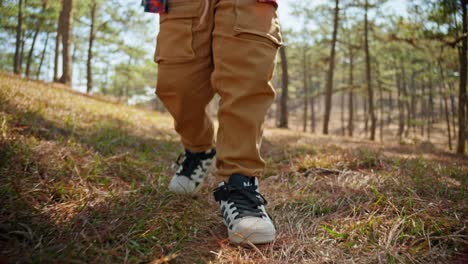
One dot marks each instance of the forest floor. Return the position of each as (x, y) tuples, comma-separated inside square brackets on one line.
[(83, 180)]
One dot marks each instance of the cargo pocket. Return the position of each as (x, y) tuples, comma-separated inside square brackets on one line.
[(175, 38), (258, 21)]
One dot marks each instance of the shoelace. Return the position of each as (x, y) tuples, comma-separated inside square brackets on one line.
[(246, 199), (189, 162)]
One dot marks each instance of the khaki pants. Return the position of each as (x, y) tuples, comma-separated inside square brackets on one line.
[(226, 47)]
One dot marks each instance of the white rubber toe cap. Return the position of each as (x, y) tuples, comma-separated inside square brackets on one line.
[(182, 185), (255, 229)]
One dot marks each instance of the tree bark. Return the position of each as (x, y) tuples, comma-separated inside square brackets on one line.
[(445, 103), (462, 107), (351, 93), (342, 113), (277, 82), (406, 102), (22, 30), (306, 88), (36, 33), (423, 112), (21, 56), (66, 32), (312, 113), (380, 102), (447, 117), (311, 99), (284, 89), (453, 108), (31, 51), (331, 70), (19, 31), (370, 92), (412, 103), (92, 35), (401, 109), (366, 118), (58, 40), (430, 103), (42, 56), (390, 108)]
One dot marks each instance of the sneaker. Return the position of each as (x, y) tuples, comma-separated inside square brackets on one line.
[(193, 168), (243, 210)]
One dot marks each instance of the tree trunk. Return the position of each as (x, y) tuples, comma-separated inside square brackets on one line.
[(277, 80), (445, 103), (284, 89), (331, 70), (21, 56), (401, 109), (413, 117), (19, 30), (447, 117), (92, 35), (423, 112), (42, 56), (23, 40), (278, 111), (370, 92), (453, 108), (390, 108), (366, 118), (342, 114), (380, 102), (312, 113), (351, 93), (405, 99), (463, 80), (311, 98), (58, 40), (306, 89), (430, 103), (440, 114), (350, 113), (36, 33), (66, 32), (31, 51)]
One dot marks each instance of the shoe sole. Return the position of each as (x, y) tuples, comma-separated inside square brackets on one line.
[(254, 238)]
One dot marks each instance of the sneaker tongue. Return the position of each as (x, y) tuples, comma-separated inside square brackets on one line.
[(241, 180)]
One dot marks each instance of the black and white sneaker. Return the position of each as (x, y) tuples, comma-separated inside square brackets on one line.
[(243, 210), (192, 170)]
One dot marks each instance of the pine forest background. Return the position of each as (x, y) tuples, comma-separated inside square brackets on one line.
[(348, 67)]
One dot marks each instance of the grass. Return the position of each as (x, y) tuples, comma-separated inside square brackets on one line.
[(83, 180)]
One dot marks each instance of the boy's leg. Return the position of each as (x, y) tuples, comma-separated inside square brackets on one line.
[(185, 65), (245, 42)]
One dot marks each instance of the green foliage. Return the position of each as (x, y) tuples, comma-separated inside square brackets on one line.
[(130, 79), (121, 31)]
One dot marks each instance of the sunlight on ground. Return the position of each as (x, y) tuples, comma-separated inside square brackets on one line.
[(84, 180)]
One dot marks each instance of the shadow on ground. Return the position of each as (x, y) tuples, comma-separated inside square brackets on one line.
[(95, 194), (92, 189)]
